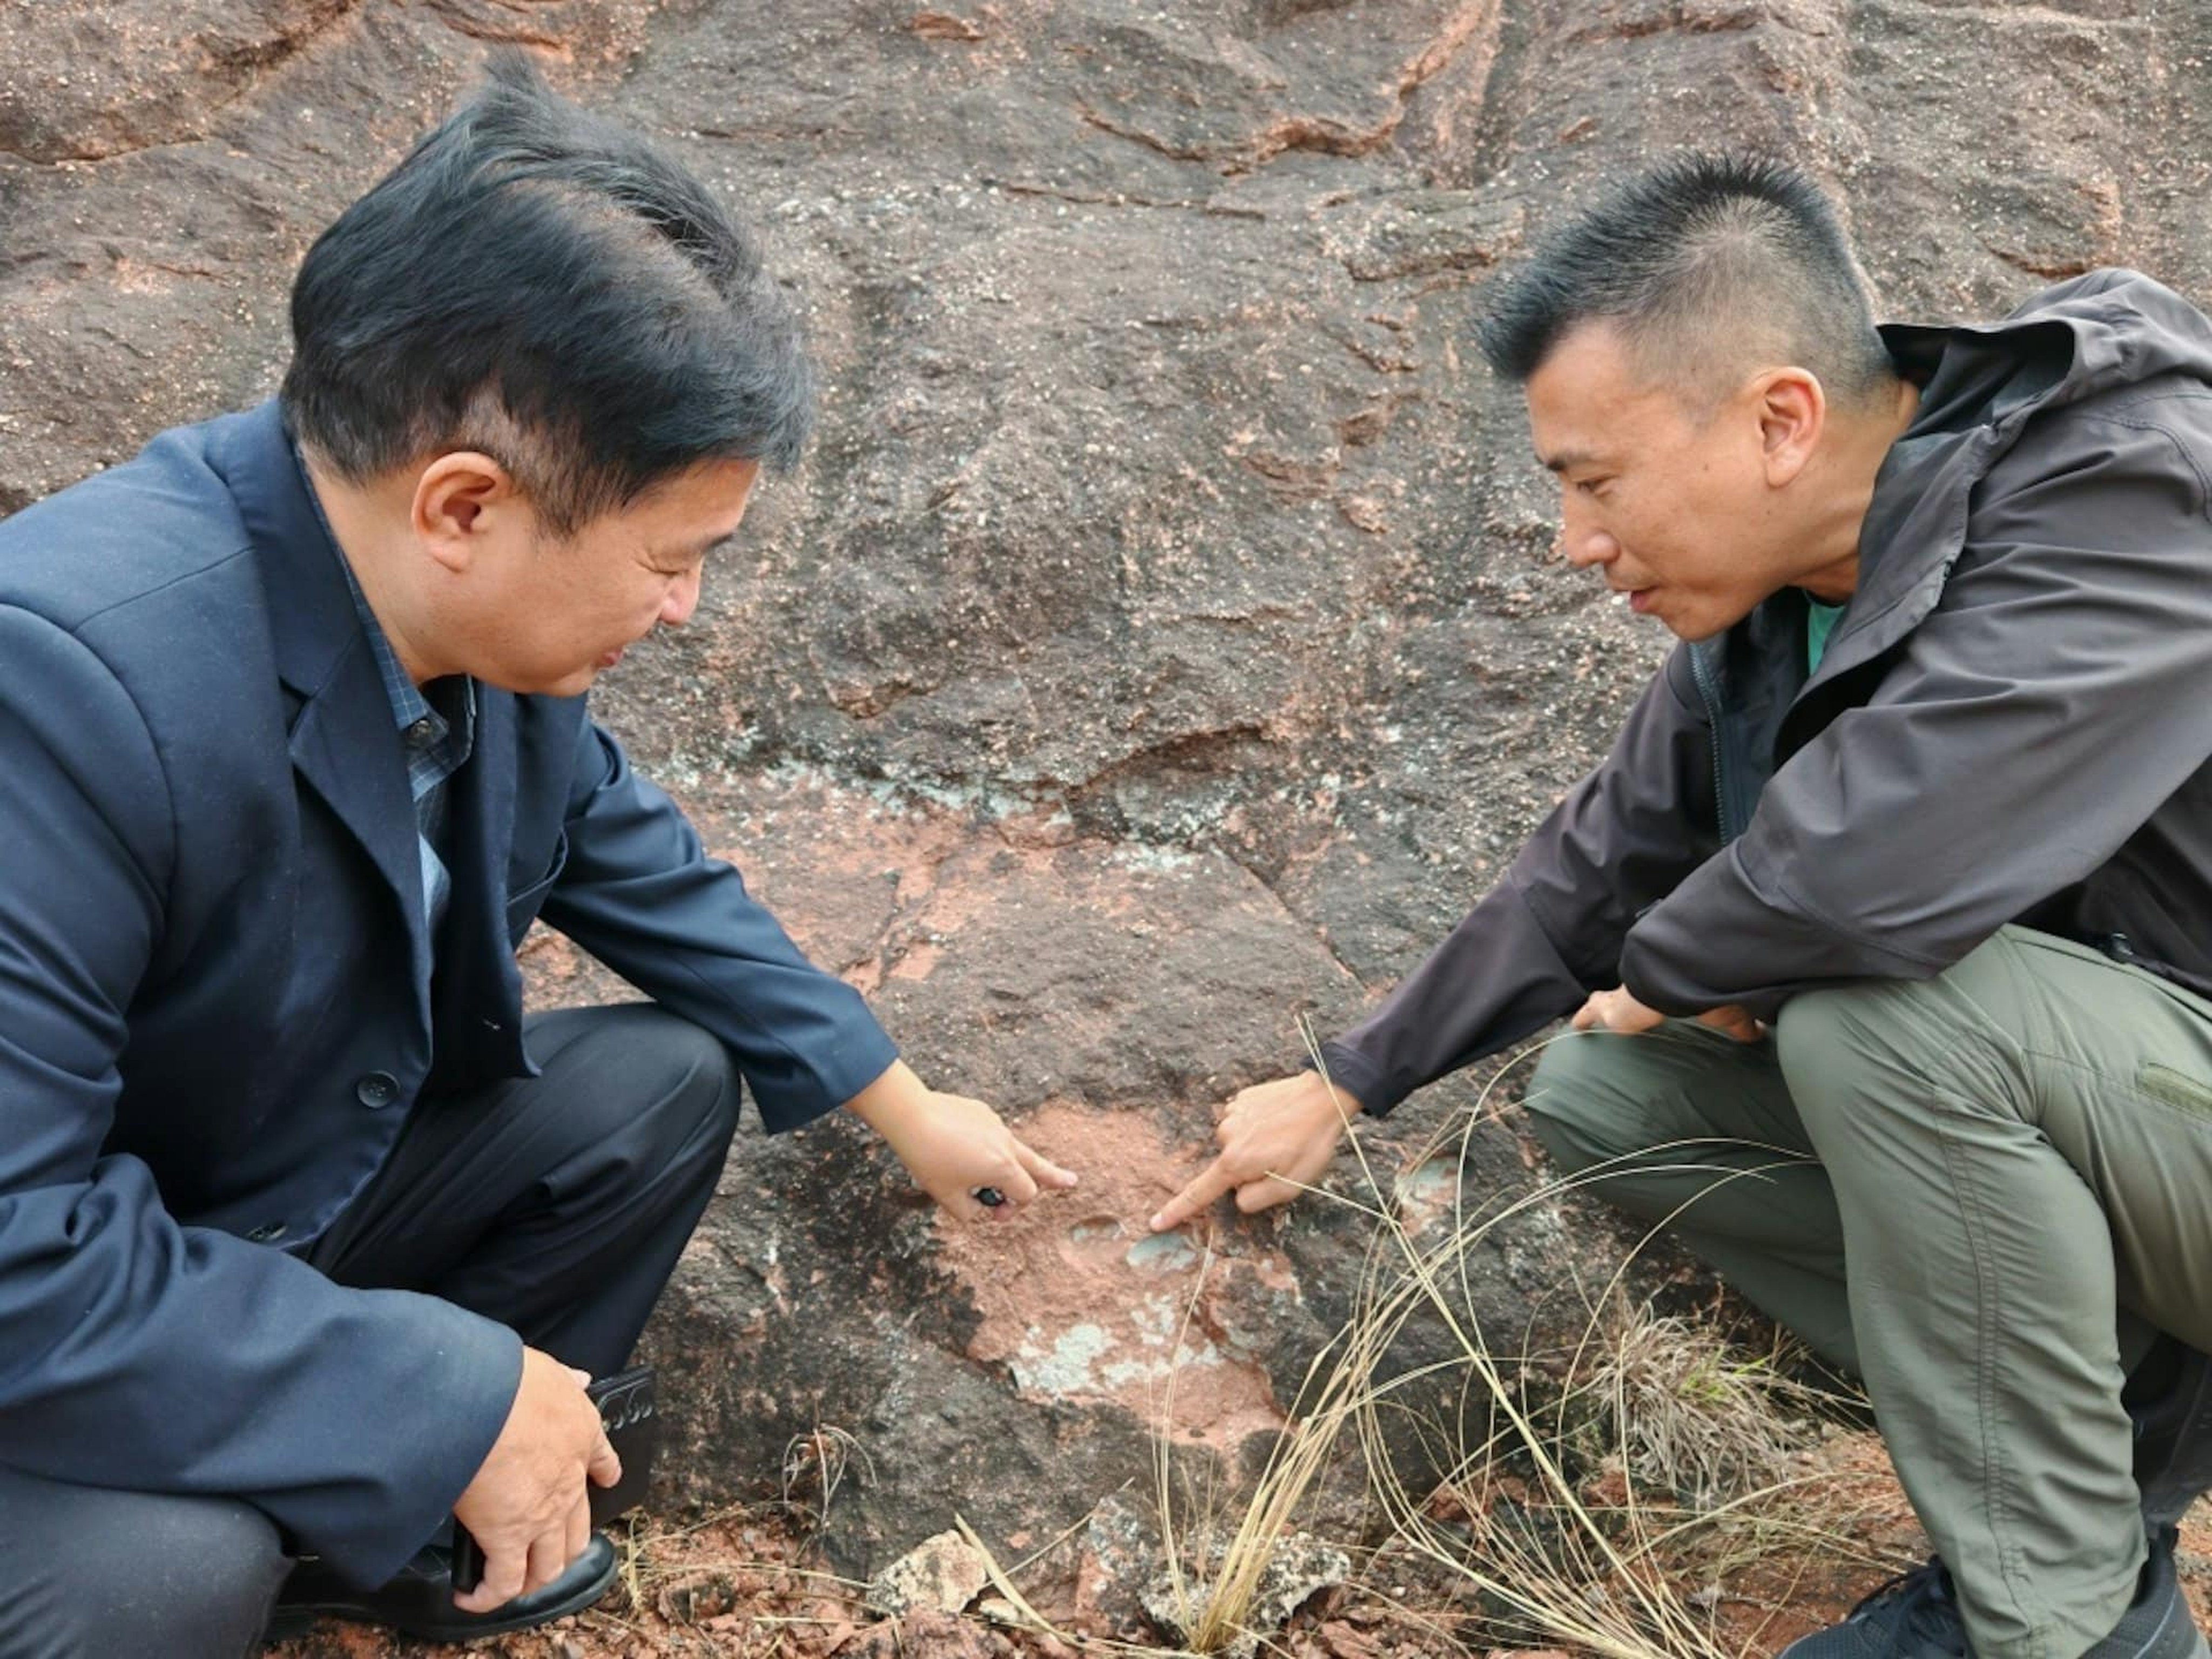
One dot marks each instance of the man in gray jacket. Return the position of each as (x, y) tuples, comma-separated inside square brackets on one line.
[(1895, 891)]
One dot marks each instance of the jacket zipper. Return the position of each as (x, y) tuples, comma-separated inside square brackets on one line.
[(1711, 694)]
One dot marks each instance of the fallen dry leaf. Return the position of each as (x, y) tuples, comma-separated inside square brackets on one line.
[(944, 26)]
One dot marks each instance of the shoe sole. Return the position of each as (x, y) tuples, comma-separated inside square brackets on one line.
[(288, 1622), (2164, 1637), (2197, 1647)]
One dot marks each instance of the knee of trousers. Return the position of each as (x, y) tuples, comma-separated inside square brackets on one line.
[(1861, 1058), (1589, 1103), (693, 1091), (701, 1086), (114, 1572), (658, 1087)]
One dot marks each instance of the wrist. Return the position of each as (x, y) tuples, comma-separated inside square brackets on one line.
[(895, 1100), (1332, 1097)]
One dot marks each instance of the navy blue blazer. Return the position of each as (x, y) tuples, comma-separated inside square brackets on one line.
[(216, 995)]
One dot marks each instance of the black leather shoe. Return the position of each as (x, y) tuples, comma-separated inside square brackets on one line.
[(419, 1603), (1914, 1616)]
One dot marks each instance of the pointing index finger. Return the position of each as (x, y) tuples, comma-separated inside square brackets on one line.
[(1046, 1172), (1212, 1181)]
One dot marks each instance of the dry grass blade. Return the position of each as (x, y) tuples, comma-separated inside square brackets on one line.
[(1164, 1473), (1003, 1584), (1317, 1419), (1061, 1537)]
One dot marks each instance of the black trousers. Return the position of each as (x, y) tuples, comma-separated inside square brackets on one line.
[(556, 1204)]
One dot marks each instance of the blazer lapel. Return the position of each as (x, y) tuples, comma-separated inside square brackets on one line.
[(345, 746), (343, 741)]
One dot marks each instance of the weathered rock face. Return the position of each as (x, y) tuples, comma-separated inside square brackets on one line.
[(1162, 638)]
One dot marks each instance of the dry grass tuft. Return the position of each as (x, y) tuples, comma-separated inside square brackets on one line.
[(1693, 1452), (1697, 1417), (815, 1465)]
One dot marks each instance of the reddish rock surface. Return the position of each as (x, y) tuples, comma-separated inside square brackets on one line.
[(1159, 641)]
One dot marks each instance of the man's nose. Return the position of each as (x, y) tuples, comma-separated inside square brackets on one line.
[(1584, 543), (683, 599)]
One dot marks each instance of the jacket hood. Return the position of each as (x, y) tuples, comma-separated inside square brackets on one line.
[(1980, 384), (2087, 336)]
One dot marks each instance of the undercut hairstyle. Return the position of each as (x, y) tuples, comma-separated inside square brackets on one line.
[(1711, 266), (542, 285)]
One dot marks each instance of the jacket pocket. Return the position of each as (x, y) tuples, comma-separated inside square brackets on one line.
[(522, 906), (2174, 1088)]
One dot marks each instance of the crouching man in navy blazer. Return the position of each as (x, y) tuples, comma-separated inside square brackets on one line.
[(307, 1237)]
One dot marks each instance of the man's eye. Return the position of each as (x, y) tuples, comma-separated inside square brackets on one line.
[(1592, 487)]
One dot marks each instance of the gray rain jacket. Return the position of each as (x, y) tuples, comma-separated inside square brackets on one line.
[(2012, 721)]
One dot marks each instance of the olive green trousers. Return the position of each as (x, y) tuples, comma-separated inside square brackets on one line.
[(1974, 1191)]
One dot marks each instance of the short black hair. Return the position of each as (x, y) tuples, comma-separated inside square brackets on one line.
[(539, 283), (1702, 263)]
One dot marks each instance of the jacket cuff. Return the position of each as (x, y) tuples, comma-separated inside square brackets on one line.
[(436, 1442), (1358, 1076), (834, 1071)]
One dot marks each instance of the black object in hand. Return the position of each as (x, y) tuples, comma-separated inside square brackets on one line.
[(628, 1412), (989, 1197)]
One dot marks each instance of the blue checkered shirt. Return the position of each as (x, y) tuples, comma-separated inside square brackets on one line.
[(438, 744), (438, 740)]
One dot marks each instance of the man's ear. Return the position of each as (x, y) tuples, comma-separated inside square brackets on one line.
[(1792, 414), (459, 500)]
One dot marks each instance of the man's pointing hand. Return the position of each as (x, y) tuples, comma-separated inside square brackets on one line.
[(1275, 1139)]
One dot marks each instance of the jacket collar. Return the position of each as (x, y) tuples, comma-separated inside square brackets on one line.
[(310, 606)]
